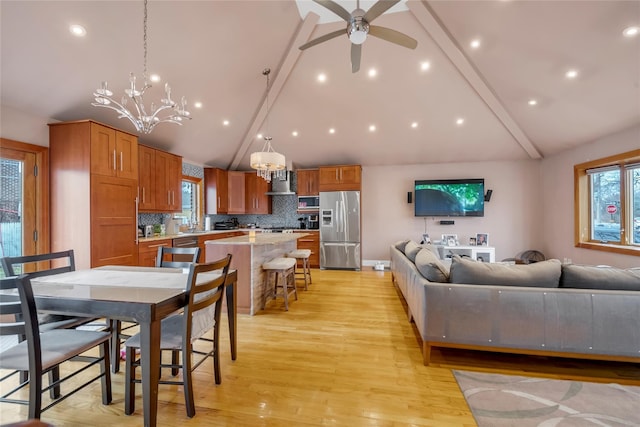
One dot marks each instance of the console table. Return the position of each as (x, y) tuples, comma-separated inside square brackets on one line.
[(478, 253)]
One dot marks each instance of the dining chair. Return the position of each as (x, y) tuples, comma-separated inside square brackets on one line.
[(43, 351), (203, 305), (164, 259)]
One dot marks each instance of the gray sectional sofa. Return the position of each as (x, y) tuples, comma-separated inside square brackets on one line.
[(544, 308)]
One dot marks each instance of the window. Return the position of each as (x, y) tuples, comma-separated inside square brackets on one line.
[(192, 198), (608, 204)]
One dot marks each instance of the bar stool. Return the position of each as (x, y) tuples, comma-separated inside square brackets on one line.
[(303, 254), (282, 270)]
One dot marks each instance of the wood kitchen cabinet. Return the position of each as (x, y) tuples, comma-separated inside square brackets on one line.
[(340, 178), (160, 181), (113, 153), (308, 182), (256, 201), (93, 211), (148, 251), (311, 242), (236, 192), (216, 190), (214, 236)]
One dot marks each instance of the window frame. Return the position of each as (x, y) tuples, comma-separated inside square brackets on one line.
[(198, 182), (582, 204)]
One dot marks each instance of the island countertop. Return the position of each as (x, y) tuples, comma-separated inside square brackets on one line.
[(258, 239)]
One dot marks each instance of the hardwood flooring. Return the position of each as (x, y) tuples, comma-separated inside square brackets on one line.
[(343, 355)]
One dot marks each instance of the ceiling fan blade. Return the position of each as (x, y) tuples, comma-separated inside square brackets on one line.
[(356, 52), (322, 39), (335, 8), (378, 9), (393, 36)]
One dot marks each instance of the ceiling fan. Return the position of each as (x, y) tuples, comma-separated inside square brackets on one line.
[(358, 26)]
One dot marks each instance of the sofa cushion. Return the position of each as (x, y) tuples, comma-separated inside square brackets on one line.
[(600, 277), (545, 274), (434, 249), (411, 250), (401, 245), (431, 267)]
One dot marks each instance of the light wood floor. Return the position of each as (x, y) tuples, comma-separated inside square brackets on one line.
[(343, 355)]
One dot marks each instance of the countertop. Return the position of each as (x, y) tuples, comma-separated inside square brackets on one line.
[(259, 239), (259, 231)]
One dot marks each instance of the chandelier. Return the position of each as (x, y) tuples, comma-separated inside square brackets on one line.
[(168, 112), (268, 162)]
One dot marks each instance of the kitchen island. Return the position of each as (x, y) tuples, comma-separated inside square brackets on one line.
[(249, 253)]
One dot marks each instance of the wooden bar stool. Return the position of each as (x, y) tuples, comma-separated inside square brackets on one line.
[(282, 270), (303, 254)]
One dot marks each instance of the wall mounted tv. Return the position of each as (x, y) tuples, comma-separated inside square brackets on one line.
[(449, 197)]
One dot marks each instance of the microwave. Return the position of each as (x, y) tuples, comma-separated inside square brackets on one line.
[(308, 203)]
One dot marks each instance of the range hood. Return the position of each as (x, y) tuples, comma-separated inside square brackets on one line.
[(281, 186)]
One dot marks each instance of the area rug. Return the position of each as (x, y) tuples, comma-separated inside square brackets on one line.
[(504, 400)]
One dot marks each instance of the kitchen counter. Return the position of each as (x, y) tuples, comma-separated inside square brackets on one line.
[(259, 231), (259, 239)]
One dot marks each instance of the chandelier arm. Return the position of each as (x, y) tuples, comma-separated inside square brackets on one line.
[(121, 109)]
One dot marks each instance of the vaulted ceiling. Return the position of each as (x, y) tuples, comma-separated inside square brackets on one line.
[(214, 52)]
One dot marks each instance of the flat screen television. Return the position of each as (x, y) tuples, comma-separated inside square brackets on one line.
[(449, 197)]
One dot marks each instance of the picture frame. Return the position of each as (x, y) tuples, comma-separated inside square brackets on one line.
[(482, 239), (472, 241), (450, 239)]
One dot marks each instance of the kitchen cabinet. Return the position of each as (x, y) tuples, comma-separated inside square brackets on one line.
[(148, 251), (214, 236), (160, 181), (256, 201), (311, 242), (236, 192), (308, 182), (92, 212), (340, 178), (113, 153), (216, 191)]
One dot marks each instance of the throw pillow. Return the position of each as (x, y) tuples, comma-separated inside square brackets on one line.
[(401, 245), (434, 249), (543, 274), (411, 250), (430, 267), (600, 277)]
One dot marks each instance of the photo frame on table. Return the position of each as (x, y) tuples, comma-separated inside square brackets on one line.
[(472, 241), (482, 239), (450, 239)]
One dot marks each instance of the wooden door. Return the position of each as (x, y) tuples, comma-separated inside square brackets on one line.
[(174, 182), (126, 146), (236, 192), (146, 178), (103, 150), (113, 221), (256, 201), (216, 191)]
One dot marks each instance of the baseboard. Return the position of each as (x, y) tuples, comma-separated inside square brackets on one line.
[(373, 262)]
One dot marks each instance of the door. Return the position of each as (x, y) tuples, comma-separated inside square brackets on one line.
[(340, 255), (23, 203)]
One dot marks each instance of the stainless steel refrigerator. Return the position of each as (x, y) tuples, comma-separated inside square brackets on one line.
[(340, 230)]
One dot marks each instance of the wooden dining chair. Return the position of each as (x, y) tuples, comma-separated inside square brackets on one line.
[(178, 332), (166, 258), (43, 351)]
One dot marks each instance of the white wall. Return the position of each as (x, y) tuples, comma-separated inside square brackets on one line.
[(512, 217), (557, 200), (24, 127)]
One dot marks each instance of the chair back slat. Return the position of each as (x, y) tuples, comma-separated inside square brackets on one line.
[(56, 263), (186, 256), (21, 318)]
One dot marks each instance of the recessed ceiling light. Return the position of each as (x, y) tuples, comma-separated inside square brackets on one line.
[(424, 66), (571, 74), (294, 133), (460, 121), (322, 77), (414, 125), (532, 102), (225, 122), (475, 43), (373, 72), (259, 136), (155, 78), (198, 104), (78, 30), (631, 31), (372, 128), (332, 131)]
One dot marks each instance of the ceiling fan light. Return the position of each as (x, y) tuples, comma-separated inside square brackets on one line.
[(357, 30), (357, 36)]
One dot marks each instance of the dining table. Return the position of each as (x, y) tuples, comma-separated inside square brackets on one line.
[(144, 295)]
